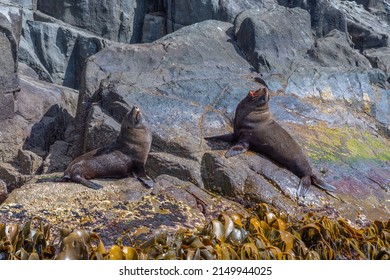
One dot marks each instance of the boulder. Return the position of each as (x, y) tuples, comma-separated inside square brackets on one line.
[(228, 9), (154, 27), (58, 157), (364, 28), (380, 8), (26, 4), (44, 114), (121, 208), (324, 15), (189, 88), (56, 51), (274, 46), (29, 162), (379, 58), (118, 21), (334, 50), (10, 29), (3, 191), (186, 12)]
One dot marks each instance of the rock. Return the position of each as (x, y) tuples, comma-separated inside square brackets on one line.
[(186, 99), (187, 12), (3, 191), (334, 50), (29, 162), (154, 28), (58, 52), (118, 21), (10, 28), (364, 90), (324, 14), (58, 158), (11, 176), (379, 58), (121, 207), (274, 45), (380, 8), (102, 129), (44, 114), (229, 9), (26, 70), (364, 28), (27, 4)]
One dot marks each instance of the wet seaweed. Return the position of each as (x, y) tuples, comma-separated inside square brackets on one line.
[(266, 234)]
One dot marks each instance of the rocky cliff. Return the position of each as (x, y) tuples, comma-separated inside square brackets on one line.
[(73, 68)]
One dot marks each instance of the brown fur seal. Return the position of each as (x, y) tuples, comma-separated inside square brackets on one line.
[(255, 129), (126, 156)]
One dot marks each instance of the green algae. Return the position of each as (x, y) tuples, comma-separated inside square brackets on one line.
[(345, 145)]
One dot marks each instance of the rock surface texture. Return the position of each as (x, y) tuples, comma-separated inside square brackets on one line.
[(70, 75)]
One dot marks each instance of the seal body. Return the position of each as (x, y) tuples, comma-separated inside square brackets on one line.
[(255, 129), (124, 157)]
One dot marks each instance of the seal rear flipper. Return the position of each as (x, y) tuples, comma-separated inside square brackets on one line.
[(226, 137), (321, 184), (148, 182), (239, 148), (140, 173), (85, 182), (303, 186)]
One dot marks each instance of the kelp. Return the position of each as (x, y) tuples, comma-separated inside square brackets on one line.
[(265, 234)]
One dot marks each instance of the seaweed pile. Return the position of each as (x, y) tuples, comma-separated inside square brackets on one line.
[(265, 234)]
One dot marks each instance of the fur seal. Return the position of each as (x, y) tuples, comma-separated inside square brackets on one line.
[(255, 129), (125, 156)]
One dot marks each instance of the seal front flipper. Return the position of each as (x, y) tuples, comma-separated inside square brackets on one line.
[(85, 182), (226, 137), (241, 147)]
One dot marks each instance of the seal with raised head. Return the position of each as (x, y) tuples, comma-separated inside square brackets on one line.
[(255, 129), (126, 156)]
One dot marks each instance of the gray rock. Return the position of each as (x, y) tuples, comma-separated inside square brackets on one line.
[(274, 45), (102, 129), (379, 58), (3, 191), (334, 50), (43, 113), (10, 29), (189, 88), (27, 4), (57, 52), (11, 176), (154, 28), (187, 12), (380, 8), (325, 16), (58, 157), (122, 207), (29, 163), (118, 21), (229, 9), (364, 28), (26, 70)]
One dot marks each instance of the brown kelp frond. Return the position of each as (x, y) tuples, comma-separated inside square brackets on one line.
[(265, 234)]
